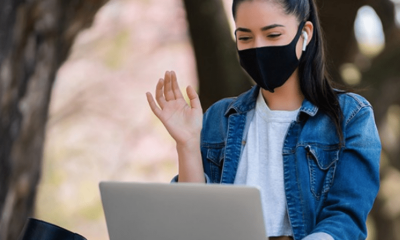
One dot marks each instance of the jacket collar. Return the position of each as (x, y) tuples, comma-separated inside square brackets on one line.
[(247, 101)]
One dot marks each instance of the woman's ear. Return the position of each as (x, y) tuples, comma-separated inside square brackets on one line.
[(309, 29)]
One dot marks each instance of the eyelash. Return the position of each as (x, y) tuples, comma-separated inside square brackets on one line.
[(274, 35), (244, 38), (270, 36)]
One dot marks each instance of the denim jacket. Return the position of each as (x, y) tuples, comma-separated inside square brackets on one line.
[(329, 189)]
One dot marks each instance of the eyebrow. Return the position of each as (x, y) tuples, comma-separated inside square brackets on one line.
[(262, 29)]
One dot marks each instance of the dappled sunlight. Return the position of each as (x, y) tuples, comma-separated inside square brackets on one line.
[(390, 131), (390, 191), (369, 32), (350, 74)]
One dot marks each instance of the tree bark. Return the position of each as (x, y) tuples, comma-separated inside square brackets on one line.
[(337, 20), (218, 69), (385, 9), (36, 36)]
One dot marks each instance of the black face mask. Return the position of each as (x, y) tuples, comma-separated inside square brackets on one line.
[(270, 67)]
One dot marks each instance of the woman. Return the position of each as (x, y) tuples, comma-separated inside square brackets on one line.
[(313, 150)]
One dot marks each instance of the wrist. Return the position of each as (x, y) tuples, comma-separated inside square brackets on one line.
[(191, 145), (190, 163)]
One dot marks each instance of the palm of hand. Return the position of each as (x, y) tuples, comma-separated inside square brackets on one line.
[(182, 121)]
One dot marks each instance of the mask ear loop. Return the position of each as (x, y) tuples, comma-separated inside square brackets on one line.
[(298, 34), (303, 33)]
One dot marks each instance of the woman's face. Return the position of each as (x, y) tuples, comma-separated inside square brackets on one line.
[(261, 23)]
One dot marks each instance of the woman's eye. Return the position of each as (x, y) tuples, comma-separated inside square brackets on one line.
[(244, 38), (274, 35)]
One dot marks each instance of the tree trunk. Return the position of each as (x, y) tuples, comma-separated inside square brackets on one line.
[(218, 69), (35, 39), (341, 43), (385, 9)]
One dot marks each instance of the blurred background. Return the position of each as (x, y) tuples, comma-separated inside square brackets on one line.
[(73, 78)]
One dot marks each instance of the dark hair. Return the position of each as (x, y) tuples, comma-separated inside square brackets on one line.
[(315, 82)]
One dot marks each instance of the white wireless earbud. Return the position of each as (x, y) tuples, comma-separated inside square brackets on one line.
[(305, 36)]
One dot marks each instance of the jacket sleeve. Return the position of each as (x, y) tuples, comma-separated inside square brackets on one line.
[(318, 236), (206, 178), (356, 181)]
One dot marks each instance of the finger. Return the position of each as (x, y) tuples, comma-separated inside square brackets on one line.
[(160, 93), (153, 105), (175, 86), (194, 98), (169, 95)]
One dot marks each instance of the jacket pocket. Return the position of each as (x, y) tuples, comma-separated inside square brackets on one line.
[(322, 163), (215, 157)]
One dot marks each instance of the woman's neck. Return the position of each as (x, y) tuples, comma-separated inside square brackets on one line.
[(287, 97)]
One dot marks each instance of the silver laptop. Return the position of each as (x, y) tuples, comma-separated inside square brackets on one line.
[(148, 211)]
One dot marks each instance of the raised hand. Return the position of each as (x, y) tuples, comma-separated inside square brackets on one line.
[(183, 122)]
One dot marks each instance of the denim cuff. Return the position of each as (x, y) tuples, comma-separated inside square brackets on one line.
[(206, 178), (319, 236)]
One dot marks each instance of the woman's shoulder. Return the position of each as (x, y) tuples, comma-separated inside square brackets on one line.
[(222, 103), (242, 103), (219, 108), (352, 103), (351, 98)]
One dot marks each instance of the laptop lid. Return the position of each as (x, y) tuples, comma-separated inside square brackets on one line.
[(152, 211)]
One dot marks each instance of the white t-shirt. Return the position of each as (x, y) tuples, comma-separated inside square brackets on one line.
[(261, 164)]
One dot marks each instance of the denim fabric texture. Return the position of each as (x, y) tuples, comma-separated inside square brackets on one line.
[(329, 189)]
